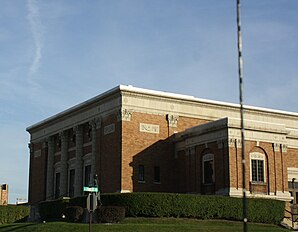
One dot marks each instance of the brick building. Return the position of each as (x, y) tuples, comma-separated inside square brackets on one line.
[(3, 194), (143, 140)]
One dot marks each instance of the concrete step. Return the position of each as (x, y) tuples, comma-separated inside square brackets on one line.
[(288, 224)]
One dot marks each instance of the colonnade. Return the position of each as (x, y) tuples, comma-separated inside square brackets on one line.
[(63, 168)]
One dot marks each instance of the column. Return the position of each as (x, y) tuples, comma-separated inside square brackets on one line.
[(50, 169), (79, 163), (94, 147), (64, 170), (95, 124)]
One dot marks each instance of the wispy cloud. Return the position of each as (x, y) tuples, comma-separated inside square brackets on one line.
[(37, 31)]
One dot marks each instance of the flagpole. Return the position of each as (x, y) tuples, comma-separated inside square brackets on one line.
[(240, 72)]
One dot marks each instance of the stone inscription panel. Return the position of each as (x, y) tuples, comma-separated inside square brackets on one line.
[(149, 128), (37, 153), (109, 129)]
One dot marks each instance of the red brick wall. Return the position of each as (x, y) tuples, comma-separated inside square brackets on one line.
[(37, 179), (190, 169), (151, 150), (109, 152), (143, 148), (290, 160), (276, 163)]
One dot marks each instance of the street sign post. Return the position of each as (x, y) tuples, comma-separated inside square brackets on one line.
[(91, 202), (92, 199), (91, 189)]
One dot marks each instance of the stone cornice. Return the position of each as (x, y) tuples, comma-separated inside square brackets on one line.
[(130, 90), (197, 108), (229, 129), (92, 116), (162, 103), (100, 104)]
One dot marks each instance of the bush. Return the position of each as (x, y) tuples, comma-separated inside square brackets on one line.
[(178, 205), (13, 213), (52, 210), (74, 213), (196, 206), (78, 201), (111, 214)]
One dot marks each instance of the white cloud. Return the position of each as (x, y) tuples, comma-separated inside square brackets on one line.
[(37, 31)]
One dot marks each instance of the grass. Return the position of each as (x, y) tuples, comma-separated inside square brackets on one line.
[(144, 225)]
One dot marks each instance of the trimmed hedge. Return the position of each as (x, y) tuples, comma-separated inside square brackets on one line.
[(186, 206), (196, 206), (13, 213)]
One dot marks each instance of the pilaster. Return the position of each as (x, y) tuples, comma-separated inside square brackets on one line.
[(172, 120), (124, 115)]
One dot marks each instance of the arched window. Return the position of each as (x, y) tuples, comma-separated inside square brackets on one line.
[(257, 167), (208, 169)]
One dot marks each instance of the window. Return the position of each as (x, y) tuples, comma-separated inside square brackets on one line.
[(292, 185), (208, 169), (4, 187), (73, 139), (208, 172), (257, 170), (88, 179), (90, 133), (293, 189), (57, 185), (257, 167), (157, 174), (71, 182), (141, 173)]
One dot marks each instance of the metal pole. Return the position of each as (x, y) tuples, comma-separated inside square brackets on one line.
[(240, 67), (90, 221)]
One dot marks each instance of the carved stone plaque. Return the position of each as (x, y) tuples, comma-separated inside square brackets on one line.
[(37, 153), (109, 129), (149, 128)]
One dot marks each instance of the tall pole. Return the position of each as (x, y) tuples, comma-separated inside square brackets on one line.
[(240, 70)]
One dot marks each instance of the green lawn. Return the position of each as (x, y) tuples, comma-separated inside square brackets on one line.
[(143, 225)]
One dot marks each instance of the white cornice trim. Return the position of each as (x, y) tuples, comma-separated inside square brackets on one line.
[(124, 88), (201, 100), (75, 108), (158, 102)]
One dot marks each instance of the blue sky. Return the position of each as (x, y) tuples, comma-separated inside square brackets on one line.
[(55, 54)]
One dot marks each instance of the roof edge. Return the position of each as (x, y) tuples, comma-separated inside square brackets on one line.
[(130, 88), (74, 108), (192, 98)]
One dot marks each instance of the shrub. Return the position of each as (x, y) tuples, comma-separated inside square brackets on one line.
[(111, 214), (52, 210), (178, 205), (13, 213), (78, 201), (74, 213), (196, 206), (265, 211)]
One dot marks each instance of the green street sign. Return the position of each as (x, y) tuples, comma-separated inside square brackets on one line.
[(90, 189)]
